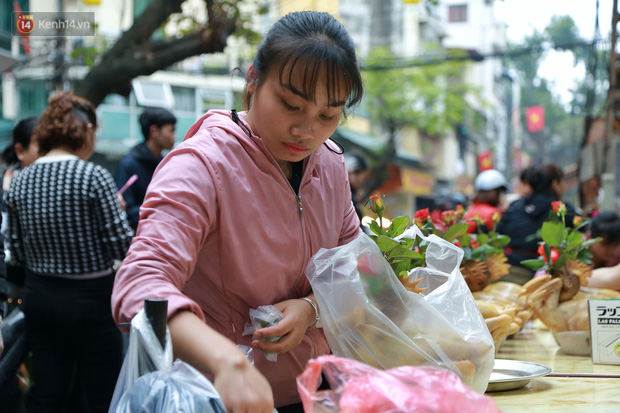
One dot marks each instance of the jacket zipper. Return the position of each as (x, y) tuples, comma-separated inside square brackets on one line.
[(299, 206)]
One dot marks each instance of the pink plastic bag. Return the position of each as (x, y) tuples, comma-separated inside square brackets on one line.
[(360, 388)]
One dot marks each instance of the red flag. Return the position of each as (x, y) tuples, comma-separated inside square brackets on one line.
[(535, 118), (25, 40), (485, 161)]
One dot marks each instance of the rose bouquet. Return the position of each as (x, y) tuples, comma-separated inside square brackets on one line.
[(564, 251), (404, 254), (483, 262)]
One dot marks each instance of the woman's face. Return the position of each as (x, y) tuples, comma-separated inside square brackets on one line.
[(291, 125), (602, 252), (558, 188)]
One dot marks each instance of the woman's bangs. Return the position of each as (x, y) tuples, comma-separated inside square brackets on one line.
[(302, 75)]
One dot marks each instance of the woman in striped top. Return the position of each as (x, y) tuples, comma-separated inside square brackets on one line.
[(66, 227)]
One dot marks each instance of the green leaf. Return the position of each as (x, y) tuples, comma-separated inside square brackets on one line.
[(402, 252), (386, 244), (584, 255), (553, 217), (398, 226), (455, 231), (500, 240), (403, 267), (374, 227), (464, 240), (533, 264), (407, 242), (552, 233), (547, 251), (574, 240), (591, 241), (482, 239), (560, 262), (467, 255)]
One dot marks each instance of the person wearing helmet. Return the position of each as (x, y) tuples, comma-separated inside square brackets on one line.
[(490, 187)]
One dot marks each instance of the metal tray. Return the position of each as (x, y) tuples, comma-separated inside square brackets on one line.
[(514, 374)]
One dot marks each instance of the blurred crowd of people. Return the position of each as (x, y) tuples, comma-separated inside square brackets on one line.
[(522, 213)]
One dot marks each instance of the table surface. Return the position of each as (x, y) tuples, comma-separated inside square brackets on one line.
[(574, 385)]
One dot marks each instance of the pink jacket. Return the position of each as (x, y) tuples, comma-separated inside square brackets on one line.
[(222, 231)]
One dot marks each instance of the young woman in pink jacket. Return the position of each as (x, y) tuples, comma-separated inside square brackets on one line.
[(234, 213)]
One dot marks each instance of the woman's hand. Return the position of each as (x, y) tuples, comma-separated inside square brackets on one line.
[(121, 201), (243, 389), (241, 386), (299, 315)]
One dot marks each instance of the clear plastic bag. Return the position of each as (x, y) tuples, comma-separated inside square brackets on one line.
[(359, 388), (150, 382), (368, 315), (261, 317)]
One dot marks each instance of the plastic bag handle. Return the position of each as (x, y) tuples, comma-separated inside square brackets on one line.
[(156, 312)]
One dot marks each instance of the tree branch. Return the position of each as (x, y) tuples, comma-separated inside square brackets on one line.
[(116, 69), (143, 27)]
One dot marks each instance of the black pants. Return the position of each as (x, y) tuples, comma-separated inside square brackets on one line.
[(73, 338)]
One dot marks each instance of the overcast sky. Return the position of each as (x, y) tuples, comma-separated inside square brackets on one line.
[(525, 15)]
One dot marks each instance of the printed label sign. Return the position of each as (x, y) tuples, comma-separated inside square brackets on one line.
[(605, 330)]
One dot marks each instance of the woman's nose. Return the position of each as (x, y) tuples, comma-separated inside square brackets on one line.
[(303, 130)]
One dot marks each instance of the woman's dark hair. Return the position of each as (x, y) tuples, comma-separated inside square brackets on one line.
[(542, 179), (311, 41), (22, 134), (606, 224), (65, 122), (526, 174)]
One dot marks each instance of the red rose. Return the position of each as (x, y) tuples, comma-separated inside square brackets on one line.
[(448, 216), (460, 211), (422, 216), (554, 254), (558, 207), (376, 204)]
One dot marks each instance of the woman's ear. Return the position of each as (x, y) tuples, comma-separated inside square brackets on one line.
[(251, 79), (19, 151)]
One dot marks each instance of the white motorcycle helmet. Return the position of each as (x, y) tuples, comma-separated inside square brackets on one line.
[(489, 180)]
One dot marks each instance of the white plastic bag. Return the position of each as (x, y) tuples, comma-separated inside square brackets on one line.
[(261, 317), (369, 316), (150, 382)]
